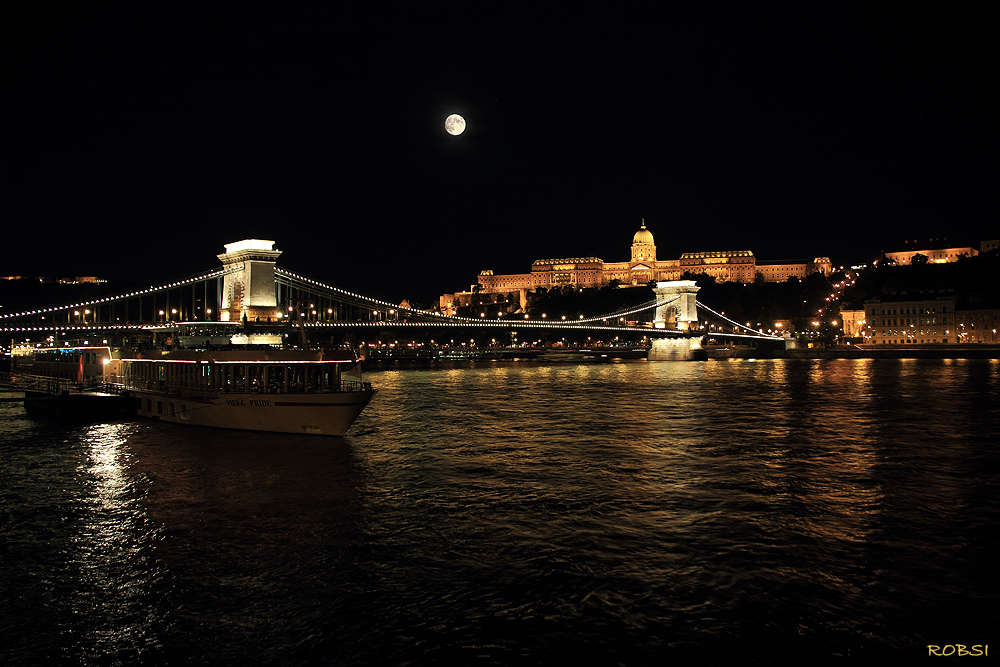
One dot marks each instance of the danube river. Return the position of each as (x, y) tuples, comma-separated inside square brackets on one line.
[(629, 513)]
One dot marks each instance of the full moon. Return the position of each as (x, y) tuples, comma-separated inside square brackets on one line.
[(454, 124)]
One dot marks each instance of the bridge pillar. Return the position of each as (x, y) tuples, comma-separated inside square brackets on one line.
[(677, 349), (250, 289), (686, 306)]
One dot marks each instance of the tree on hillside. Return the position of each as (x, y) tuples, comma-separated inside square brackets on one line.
[(702, 279)]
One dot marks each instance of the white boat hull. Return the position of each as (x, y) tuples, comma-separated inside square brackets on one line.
[(312, 414)]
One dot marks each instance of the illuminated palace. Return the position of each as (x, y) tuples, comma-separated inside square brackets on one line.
[(643, 267)]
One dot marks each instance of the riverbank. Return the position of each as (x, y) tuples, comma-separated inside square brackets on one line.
[(452, 356), (926, 351), (597, 355)]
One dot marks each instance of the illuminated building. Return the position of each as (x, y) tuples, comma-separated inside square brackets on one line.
[(642, 267), (937, 251), (780, 270), (977, 325), (928, 318)]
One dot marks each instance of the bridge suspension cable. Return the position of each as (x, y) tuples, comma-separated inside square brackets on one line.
[(299, 282), (130, 295), (359, 299), (738, 326), (294, 280), (649, 305)]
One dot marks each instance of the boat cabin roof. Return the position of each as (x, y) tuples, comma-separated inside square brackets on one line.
[(256, 356)]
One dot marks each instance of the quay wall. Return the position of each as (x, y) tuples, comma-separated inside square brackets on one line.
[(926, 351)]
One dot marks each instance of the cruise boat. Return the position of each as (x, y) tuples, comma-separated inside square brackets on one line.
[(283, 391), (71, 362)]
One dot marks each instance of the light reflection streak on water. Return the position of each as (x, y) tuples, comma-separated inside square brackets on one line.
[(114, 579), (629, 510)]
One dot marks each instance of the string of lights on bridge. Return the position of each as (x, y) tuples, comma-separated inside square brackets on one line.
[(288, 274), (441, 320), (753, 332), (454, 318), (96, 302)]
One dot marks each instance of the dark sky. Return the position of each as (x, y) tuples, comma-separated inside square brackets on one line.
[(138, 142)]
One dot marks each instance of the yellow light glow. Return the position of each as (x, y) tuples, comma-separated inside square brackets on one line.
[(249, 244)]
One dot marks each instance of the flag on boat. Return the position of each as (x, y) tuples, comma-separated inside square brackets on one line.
[(355, 370)]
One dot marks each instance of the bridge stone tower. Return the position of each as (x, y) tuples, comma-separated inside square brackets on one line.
[(686, 308), (249, 290)]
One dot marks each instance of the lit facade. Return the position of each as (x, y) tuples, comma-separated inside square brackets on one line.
[(779, 271), (937, 251), (641, 268), (977, 325), (931, 319)]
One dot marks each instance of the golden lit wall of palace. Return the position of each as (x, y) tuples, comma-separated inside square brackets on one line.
[(933, 255), (778, 271), (642, 267), (738, 266)]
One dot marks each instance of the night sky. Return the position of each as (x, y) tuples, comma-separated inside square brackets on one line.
[(138, 142)]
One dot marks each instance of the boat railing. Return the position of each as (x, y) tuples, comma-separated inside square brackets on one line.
[(44, 383), (162, 386), (355, 385)]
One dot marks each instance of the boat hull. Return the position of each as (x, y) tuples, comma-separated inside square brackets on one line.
[(310, 414)]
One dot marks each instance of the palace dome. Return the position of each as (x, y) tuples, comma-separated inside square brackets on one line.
[(643, 236)]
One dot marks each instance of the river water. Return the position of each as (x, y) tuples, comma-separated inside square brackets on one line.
[(509, 513)]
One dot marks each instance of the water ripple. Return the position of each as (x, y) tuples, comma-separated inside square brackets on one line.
[(513, 513)]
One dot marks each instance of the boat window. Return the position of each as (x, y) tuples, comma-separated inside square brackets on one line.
[(275, 379)]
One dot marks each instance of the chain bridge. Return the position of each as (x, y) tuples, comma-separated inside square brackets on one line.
[(251, 300)]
